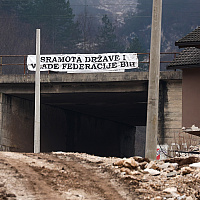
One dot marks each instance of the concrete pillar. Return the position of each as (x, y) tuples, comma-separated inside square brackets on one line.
[(171, 120), (37, 96), (154, 74), (4, 138)]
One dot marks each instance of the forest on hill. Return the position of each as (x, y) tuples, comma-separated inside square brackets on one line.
[(86, 26)]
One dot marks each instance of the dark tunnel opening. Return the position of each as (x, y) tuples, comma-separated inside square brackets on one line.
[(102, 124), (99, 123)]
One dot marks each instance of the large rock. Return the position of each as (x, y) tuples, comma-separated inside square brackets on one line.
[(183, 160), (128, 163), (141, 159), (158, 198), (143, 164), (174, 165), (131, 163), (171, 174), (164, 165), (119, 163), (186, 170), (173, 191), (189, 198), (152, 165), (153, 172), (183, 197), (126, 170), (195, 165), (168, 165)]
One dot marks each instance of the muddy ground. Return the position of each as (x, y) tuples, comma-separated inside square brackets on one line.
[(75, 176)]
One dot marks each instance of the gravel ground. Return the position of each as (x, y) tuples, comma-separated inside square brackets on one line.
[(72, 176)]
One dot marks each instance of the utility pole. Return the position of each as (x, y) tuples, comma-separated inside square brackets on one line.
[(37, 96), (84, 32), (154, 75)]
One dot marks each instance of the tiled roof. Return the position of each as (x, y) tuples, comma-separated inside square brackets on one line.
[(189, 57), (192, 39)]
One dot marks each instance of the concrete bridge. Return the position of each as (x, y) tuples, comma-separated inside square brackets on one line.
[(94, 113)]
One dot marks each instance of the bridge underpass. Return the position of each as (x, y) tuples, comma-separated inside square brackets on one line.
[(123, 107), (92, 113)]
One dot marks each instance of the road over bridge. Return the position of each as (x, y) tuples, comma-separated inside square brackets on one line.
[(94, 113)]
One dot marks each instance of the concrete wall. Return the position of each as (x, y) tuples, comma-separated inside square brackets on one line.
[(140, 141), (170, 117), (170, 111), (53, 129), (61, 130), (98, 136), (17, 126)]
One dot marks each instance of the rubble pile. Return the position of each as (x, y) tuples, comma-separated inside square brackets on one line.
[(195, 148), (175, 178)]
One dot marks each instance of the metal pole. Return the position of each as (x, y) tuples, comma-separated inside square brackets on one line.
[(154, 75), (37, 96)]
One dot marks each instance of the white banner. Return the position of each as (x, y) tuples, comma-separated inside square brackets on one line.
[(84, 63)]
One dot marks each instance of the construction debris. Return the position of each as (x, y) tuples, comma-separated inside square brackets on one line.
[(175, 178), (80, 176)]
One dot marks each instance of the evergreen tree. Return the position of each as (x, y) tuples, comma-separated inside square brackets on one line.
[(139, 23), (89, 29), (56, 21), (178, 19), (107, 39), (135, 46), (68, 33)]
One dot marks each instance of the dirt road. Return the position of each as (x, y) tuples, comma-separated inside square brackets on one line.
[(79, 176), (60, 176)]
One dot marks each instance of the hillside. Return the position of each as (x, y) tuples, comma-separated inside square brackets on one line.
[(77, 26), (178, 18), (115, 8)]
